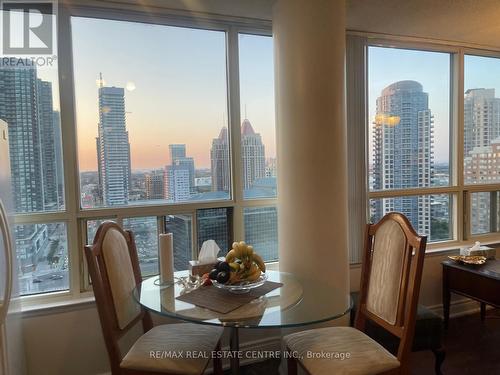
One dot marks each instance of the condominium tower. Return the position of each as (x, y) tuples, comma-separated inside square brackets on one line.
[(482, 156), (253, 155), (403, 151), (219, 160), (113, 147)]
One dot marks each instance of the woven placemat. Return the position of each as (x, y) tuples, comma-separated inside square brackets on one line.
[(224, 301)]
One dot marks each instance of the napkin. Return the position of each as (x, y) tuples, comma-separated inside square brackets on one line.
[(477, 246), (208, 252)]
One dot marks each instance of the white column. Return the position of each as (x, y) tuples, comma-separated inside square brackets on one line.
[(309, 38)]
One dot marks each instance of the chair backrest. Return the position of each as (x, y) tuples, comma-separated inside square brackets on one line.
[(114, 270), (390, 279)]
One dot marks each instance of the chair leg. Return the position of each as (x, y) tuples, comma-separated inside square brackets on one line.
[(439, 355), (217, 362), (291, 363)]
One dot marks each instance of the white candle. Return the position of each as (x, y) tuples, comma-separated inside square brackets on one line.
[(166, 258)]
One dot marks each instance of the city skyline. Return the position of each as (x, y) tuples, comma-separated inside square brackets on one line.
[(179, 181), (176, 87)]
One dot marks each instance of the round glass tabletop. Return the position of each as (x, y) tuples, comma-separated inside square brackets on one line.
[(296, 303)]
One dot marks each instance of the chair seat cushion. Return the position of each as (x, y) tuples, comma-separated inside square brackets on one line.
[(339, 350), (173, 348)]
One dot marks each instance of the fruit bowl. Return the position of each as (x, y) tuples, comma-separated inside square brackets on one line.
[(242, 286)]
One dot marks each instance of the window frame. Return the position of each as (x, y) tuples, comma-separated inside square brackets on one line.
[(458, 191), (75, 217)]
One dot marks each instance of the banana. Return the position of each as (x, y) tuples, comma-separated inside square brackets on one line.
[(244, 250), (257, 259), (254, 276), (234, 278), (234, 266), (231, 255), (250, 251)]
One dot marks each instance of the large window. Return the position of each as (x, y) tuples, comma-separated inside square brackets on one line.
[(155, 139), (482, 141), (149, 130), (151, 117), (29, 105), (437, 165), (258, 144), (409, 137)]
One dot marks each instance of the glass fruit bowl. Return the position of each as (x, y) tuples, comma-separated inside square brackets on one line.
[(242, 286)]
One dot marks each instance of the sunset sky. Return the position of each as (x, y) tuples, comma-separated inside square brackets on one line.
[(177, 86), (175, 80)]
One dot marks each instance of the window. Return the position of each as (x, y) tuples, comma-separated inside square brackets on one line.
[(153, 131), (151, 118), (409, 133), (181, 228), (485, 212), (261, 230), (42, 256), (29, 104), (482, 142), (258, 138), (419, 144), (145, 231), (154, 125), (437, 222)]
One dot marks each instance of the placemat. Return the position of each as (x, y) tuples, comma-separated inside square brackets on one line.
[(224, 301)]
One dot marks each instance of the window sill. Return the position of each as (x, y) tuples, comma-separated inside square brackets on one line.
[(54, 306)]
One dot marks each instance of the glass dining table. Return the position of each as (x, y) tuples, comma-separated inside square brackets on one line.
[(298, 302)]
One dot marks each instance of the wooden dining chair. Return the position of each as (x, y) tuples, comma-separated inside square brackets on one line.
[(390, 283), (114, 269)]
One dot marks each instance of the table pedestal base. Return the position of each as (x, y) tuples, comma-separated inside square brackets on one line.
[(234, 346)]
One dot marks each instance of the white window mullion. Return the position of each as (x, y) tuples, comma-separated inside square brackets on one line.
[(235, 131), (68, 134)]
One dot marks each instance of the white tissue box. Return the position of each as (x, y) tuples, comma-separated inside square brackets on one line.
[(485, 251)]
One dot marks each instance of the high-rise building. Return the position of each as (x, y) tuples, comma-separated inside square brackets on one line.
[(482, 154), (180, 227), (212, 224), (59, 155), (179, 175), (482, 165), (177, 183), (48, 145), (155, 184), (177, 151), (253, 155), (113, 147), (481, 118), (178, 157), (261, 230), (219, 158), (403, 151), (18, 103), (271, 167), (26, 105)]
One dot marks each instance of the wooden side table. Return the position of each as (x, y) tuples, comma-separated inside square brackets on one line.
[(481, 283)]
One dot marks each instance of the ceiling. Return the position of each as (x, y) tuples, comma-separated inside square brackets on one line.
[(470, 21)]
